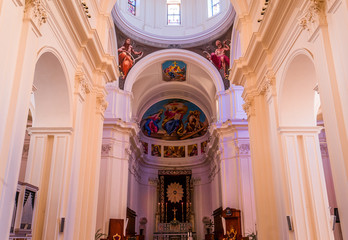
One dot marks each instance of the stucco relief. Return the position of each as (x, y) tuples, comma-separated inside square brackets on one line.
[(36, 10), (312, 16), (106, 148)]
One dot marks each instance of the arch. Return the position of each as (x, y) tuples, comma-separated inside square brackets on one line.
[(52, 95), (168, 54), (296, 92)]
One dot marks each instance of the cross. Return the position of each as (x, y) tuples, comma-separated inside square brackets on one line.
[(174, 210)]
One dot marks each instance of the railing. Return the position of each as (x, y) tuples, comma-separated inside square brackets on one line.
[(173, 236)]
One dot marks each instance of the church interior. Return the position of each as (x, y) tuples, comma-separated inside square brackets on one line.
[(173, 120)]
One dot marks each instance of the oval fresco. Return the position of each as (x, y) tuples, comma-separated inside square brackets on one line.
[(174, 119)]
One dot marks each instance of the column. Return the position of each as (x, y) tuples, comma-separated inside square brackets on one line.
[(262, 167), (46, 169), (309, 203), (332, 77), (16, 83)]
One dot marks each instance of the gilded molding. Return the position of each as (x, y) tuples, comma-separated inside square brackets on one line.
[(36, 10)]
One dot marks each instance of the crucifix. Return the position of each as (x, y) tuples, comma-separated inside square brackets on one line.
[(174, 210)]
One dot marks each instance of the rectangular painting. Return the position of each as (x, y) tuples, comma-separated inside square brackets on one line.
[(174, 151), (192, 150), (155, 150)]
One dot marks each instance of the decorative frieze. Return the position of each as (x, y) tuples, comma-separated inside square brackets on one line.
[(36, 11), (244, 148)]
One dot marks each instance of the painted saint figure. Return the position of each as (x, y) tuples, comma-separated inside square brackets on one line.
[(219, 58), (174, 114), (125, 57), (151, 124)]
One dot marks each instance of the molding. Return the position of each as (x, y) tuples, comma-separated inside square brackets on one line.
[(102, 104), (300, 130), (49, 130)]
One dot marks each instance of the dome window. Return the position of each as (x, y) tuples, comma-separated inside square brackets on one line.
[(132, 6), (173, 12), (213, 7)]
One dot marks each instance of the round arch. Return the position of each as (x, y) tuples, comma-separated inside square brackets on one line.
[(296, 91), (168, 54), (52, 96)]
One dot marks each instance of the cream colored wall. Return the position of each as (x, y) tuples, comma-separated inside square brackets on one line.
[(262, 70), (69, 185)]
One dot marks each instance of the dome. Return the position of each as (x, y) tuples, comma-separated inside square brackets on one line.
[(196, 23)]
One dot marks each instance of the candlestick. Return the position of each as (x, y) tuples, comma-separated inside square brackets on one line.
[(182, 212)]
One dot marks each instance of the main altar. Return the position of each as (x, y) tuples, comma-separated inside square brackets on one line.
[(174, 213)]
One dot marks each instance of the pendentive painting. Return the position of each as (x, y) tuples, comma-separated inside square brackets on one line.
[(174, 151), (192, 150), (174, 71), (174, 119)]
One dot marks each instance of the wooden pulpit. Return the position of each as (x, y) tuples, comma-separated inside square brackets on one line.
[(233, 223)]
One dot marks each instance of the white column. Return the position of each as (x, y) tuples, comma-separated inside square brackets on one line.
[(309, 203), (47, 159), (114, 173), (17, 70), (328, 39)]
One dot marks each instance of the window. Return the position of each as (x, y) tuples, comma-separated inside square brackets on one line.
[(213, 7), (131, 6), (173, 12)]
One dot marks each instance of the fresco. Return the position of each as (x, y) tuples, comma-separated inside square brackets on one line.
[(174, 119), (192, 150), (155, 150), (174, 151), (204, 146), (174, 71), (145, 146)]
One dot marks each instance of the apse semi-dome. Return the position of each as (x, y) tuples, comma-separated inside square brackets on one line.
[(174, 119), (173, 23)]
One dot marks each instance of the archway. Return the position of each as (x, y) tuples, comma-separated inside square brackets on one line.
[(49, 143), (301, 150)]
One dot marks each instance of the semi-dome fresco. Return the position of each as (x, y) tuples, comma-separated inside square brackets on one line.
[(174, 119)]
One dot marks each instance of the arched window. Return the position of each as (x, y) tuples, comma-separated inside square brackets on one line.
[(173, 12), (213, 7), (132, 6)]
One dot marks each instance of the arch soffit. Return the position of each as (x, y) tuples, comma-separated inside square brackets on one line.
[(170, 54), (288, 62), (69, 84)]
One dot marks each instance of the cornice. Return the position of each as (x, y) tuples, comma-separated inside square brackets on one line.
[(87, 38)]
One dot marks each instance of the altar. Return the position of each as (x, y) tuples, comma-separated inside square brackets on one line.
[(174, 215), (176, 231)]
